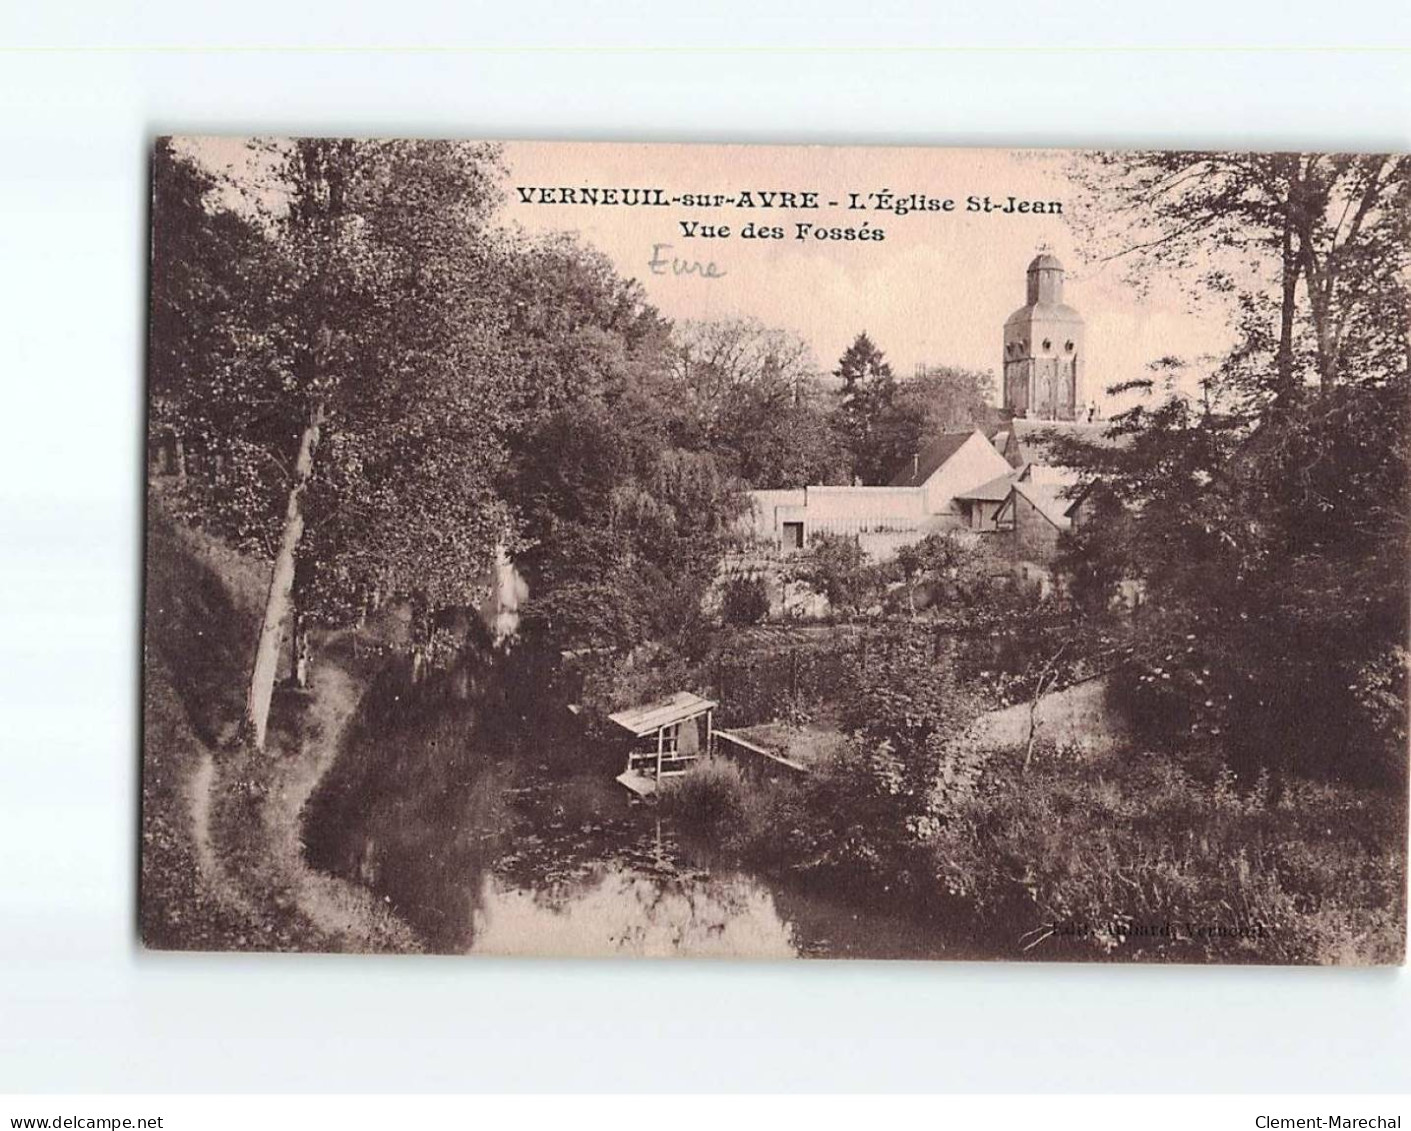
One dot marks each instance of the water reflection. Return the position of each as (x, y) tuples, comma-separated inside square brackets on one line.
[(488, 827), (623, 913), (415, 809)]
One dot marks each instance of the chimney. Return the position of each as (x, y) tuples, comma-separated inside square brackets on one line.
[(915, 464)]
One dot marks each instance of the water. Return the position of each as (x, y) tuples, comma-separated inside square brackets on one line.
[(491, 827)]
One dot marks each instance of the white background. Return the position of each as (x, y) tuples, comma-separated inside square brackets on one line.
[(82, 91)]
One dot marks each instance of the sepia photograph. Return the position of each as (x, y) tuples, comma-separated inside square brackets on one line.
[(568, 549)]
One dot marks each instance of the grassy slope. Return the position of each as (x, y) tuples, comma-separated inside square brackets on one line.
[(222, 864)]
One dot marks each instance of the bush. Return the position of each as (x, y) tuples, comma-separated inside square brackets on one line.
[(710, 792), (862, 817), (1111, 849), (745, 600), (836, 566)]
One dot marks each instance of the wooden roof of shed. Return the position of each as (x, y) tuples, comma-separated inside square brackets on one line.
[(663, 713)]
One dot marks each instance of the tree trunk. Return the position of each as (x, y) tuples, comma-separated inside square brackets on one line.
[(293, 641), (303, 654), (281, 589), (1047, 678), (1288, 308)]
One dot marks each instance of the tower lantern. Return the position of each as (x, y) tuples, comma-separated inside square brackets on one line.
[(1043, 349)]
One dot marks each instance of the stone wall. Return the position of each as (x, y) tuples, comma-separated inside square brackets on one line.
[(1078, 717)]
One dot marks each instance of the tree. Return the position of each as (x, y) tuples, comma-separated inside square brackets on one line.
[(836, 566), (624, 509), (752, 395), (950, 399), (1331, 229), (1267, 515), (744, 600), (879, 428), (214, 355), (958, 568), (390, 284), (777, 436), (357, 422), (713, 361), (907, 765), (1264, 618)]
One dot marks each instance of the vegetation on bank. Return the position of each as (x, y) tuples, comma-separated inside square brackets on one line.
[(199, 607), (1136, 854), (222, 862), (1130, 856)]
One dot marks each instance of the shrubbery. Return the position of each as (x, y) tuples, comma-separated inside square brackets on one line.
[(744, 600), (1310, 872), (793, 679), (836, 566), (710, 792), (911, 811), (1082, 859)]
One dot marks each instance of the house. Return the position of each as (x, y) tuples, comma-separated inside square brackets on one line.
[(980, 505), (1005, 484), (922, 498), (1033, 516), (951, 463), (1081, 508)]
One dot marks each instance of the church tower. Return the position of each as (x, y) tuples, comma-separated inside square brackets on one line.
[(1043, 349)]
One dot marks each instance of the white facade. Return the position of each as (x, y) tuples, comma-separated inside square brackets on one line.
[(882, 519), (977, 461), (1044, 362)]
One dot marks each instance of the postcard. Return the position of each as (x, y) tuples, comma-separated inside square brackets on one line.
[(647, 550)]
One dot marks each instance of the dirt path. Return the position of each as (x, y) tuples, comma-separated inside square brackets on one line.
[(199, 789), (247, 813)]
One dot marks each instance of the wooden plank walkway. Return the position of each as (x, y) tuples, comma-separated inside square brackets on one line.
[(760, 751)]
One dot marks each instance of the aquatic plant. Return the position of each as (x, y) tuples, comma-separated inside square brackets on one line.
[(711, 792)]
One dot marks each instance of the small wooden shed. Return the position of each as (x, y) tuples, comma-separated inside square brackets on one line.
[(667, 738)]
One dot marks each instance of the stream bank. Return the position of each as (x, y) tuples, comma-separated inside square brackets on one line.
[(490, 824), (222, 860)]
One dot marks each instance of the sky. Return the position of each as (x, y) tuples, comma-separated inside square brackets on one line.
[(935, 290)]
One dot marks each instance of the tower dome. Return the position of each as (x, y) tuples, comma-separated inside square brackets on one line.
[(1045, 279), (1043, 348)]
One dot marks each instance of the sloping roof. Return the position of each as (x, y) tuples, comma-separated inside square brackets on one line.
[(1028, 437), (663, 713), (1073, 503), (1091, 430), (930, 459), (1049, 312), (1048, 500), (995, 491)]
